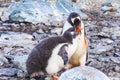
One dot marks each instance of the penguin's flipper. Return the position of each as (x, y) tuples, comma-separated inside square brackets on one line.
[(86, 45)]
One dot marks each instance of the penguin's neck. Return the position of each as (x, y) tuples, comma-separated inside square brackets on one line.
[(66, 26)]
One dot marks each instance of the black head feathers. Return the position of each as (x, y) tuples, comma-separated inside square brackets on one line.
[(74, 19)]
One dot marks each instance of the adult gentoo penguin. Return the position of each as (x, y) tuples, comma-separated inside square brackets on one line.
[(51, 54), (80, 55)]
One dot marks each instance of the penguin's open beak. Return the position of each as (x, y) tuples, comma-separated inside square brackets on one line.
[(78, 29)]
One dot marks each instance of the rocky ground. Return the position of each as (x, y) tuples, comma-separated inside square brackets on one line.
[(103, 32)]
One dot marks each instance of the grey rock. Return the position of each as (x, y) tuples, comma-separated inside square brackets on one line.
[(93, 63), (116, 34), (10, 57), (114, 31), (116, 59), (40, 31), (7, 78), (104, 59), (116, 54), (12, 78), (106, 29), (8, 71), (83, 73), (21, 74), (115, 24), (4, 78), (2, 10), (56, 31), (20, 62), (39, 37), (111, 5), (103, 35), (16, 42), (100, 49), (106, 8), (108, 41), (87, 4), (114, 78), (117, 69), (48, 12), (1, 62)]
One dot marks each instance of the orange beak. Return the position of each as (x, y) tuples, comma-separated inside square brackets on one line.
[(78, 30)]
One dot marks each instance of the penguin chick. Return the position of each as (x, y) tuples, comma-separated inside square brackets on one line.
[(80, 55), (50, 55)]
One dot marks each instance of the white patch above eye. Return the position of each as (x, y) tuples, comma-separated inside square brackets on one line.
[(75, 18)]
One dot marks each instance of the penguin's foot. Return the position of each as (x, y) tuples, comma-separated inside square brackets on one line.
[(68, 66), (56, 77), (37, 76), (49, 78)]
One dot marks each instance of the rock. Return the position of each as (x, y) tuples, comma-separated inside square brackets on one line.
[(7, 78), (106, 8), (56, 31), (20, 62), (21, 74), (100, 49), (104, 59), (49, 78), (1, 62), (116, 59), (87, 4), (83, 73), (39, 37), (108, 41), (111, 6), (95, 63), (47, 12), (12, 78), (114, 78), (84, 16), (115, 24), (116, 54), (116, 34), (2, 10), (113, 31), (40, 31), (16, 42), (103, 35), (9, 71), (3, 59), (4, 78), (106, 29)]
